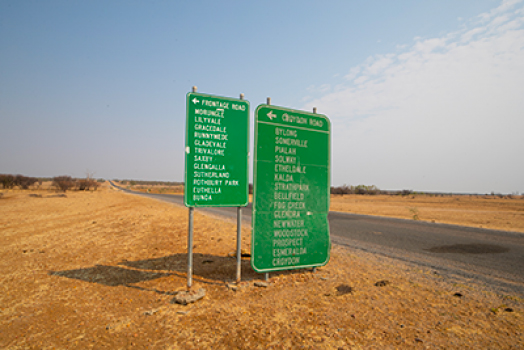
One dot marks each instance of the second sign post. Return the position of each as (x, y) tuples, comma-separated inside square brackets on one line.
[(291, 189)]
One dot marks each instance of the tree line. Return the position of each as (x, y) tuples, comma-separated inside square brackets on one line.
[(64, 183), (367, 190), (149, 183), (11, 181), (360, 189), (61, 183)]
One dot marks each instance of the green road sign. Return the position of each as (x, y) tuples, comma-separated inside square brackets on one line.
[(291, 189), (217, 146)]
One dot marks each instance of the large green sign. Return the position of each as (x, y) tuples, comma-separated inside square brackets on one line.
[(217, 146), (291, 189)]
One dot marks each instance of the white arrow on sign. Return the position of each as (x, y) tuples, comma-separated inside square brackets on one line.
[(195, 101), (270, 115)]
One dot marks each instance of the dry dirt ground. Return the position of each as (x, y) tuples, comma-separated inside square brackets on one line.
[(99, 270), (477, 211)]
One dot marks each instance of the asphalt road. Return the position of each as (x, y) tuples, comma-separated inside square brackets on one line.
[(495, 258)]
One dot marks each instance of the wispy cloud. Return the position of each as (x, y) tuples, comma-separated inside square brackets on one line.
[(443, 114)]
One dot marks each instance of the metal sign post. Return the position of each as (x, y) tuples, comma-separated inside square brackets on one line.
[(239, 244), (190, 249), (216, 169), (291, 189), (190, 241), (239, 234)]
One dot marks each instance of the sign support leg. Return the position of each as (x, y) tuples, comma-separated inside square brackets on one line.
[(239, 235), (190, 249), (239, 243), (314, 112), (268, 102)]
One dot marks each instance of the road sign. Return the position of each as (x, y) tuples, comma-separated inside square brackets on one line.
[(291, 189), (217, 146)]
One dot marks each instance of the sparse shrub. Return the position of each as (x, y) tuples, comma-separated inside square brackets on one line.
[(369, 190), (414, 213), (83, 184), (63, 183), (336, 190), (7, 181), (86, 184), (360, 189), (149, 183), (24, 182), (344, 189)]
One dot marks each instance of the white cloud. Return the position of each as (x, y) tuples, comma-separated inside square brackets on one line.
[(324, 88), (470, 34), (444, 114), (379, 64), (506, 6), (353, 72)]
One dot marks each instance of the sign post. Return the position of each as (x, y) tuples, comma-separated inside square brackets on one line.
[(217, 149), (291, 189)]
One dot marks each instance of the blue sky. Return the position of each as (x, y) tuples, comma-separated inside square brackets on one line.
[(423, 95)]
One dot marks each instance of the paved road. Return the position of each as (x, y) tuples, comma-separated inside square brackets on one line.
[(487, 256)]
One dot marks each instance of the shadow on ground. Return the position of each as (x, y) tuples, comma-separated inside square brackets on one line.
[(109, 275), (207, 269), (206, 266)]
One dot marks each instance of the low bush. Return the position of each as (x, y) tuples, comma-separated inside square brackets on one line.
[(63, 183), (23, 182), (360, 189), (148, 183), (86, 184), (7, 181)]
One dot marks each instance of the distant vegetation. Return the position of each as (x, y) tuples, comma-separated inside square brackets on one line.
[(149, 183), (370, 190), (159, 187), (65, 182), (336, 190), (360, 189), (60, 183), (374, 190), (11, 181)]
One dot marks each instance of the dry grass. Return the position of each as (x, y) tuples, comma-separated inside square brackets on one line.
[(476, 211), (99, 270)]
